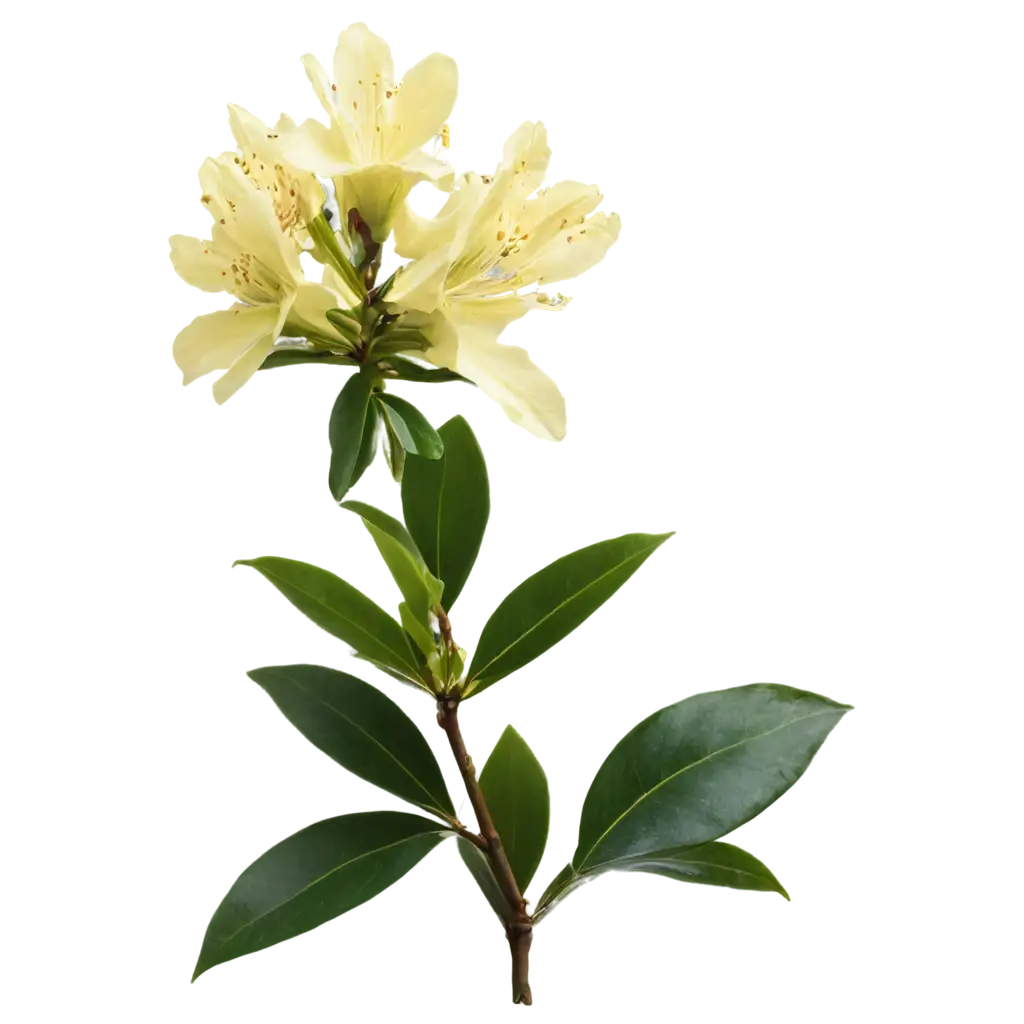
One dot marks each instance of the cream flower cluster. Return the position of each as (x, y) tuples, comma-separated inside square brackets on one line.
[(474, 268)]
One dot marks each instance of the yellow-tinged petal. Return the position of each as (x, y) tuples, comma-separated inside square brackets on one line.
[(216, 341), (521, 393), (423, 103), (575, 249), (314, 147), (196, 264), (364, 74), (296, 194), (242, 369), (377, 192), (310, 308), (246, 226), (489, 316)]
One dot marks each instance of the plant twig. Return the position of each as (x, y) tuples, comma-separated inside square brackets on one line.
[(519, 930)]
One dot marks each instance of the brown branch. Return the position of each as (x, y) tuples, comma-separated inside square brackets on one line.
[(519, 930)]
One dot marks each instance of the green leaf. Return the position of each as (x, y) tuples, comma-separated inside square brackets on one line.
[(285, 363), (516, 790), (420, 633), (360, 728), (344, 612), (368, 445), (446, 503), (565, 882), (411, 427), (352, 433), (480, 868), (389, 524), (394, 453), (421, 591), (314, 876), (552, 603), (401, 368), (711, 864), (696, 770)]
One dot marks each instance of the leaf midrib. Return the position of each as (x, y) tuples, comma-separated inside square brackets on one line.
[(437, 804), (554, 611), (345, 618), (316, 881), (686, 768)]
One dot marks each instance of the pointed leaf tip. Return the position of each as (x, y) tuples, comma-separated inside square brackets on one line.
[(361, 729), (550, 604), (694, 771), (516, 790)]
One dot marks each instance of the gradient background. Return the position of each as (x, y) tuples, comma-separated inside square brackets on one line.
[(804, 355)]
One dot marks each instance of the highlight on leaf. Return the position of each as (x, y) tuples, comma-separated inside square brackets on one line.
[(548, 606)]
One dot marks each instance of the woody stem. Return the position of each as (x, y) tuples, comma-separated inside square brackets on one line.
[(518, 926)]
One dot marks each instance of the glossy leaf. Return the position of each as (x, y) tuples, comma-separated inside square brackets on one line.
[(480, 868), (344, 612), (550, 604), (516, 790), (711, 864), (394, 453), (696, 770), (369, 443), (314, 876), (291, 363), (352, 428), (405, 369), (446, 503), (411, 427), (360, 728)]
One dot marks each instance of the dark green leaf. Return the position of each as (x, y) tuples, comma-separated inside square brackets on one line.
[(516, 790), (368, 445), (411, 427), (361, 728), (446, 503), (552, 603), (710, 864), (352, 433), (405, 369), (287, 363), (696, 770), (314, 876), (480, 868), (344, 612), (565, 882)]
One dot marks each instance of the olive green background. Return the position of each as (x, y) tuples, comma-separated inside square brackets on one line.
[(139, 772)]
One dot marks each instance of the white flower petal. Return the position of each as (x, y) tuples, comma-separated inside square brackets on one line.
[(521, 393), (423, 103)]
